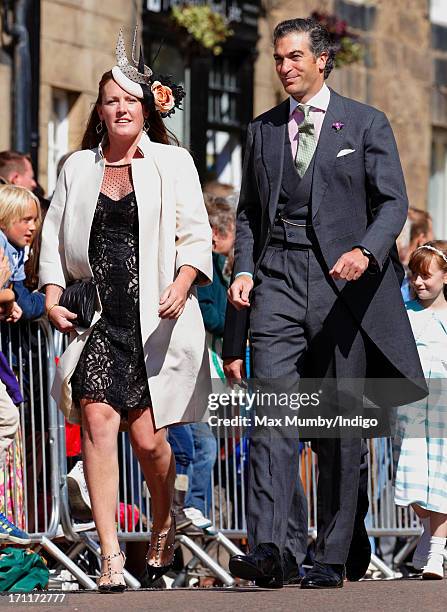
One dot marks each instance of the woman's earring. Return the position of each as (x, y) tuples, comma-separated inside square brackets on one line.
[(99, 128), (146, 125)]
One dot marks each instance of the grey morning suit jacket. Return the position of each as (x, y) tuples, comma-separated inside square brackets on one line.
[(357, 199)]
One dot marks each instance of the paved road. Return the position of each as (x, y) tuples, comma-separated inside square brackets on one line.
[(395, 596)]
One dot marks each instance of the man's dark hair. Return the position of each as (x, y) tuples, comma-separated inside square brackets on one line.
[(319, 37), (12, 161)]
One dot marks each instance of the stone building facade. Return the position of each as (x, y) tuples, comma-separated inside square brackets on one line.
[(5, 93), (77, 45)]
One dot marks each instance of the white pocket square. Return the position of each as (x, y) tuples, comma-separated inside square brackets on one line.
[(345, 152)]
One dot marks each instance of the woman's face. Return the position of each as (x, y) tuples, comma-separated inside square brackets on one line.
[(429, 286), (122, 112)]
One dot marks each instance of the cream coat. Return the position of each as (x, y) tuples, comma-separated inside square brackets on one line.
[(173, 231)]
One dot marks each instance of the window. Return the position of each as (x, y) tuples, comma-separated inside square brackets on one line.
[(223, 148), (57, 134), (438, 183), (438, 12)]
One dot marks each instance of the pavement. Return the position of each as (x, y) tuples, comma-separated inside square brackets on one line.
[(414, 595)]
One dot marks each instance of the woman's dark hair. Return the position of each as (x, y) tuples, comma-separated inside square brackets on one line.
[(158, 132), (319, 37)]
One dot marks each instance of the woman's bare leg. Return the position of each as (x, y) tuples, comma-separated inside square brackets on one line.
[(100, 425), (438, 524), (157, 462)]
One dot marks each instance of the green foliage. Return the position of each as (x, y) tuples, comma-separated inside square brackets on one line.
[(349, 52), (207, 27), (349, 49)]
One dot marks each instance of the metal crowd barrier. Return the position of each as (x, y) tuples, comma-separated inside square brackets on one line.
[(32, 349), (133, 509), (32, 478)]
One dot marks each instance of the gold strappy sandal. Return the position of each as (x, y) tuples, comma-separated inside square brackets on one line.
[(109, 586), (162, 545)]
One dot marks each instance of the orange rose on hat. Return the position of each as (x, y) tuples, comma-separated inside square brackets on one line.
[(163, 97)]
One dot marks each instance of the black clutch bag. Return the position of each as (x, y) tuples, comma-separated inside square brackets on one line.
[(80, 298)]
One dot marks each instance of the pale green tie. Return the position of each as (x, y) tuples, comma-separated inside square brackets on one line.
[(307, 141)]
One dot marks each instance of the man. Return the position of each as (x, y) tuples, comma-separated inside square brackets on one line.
[(322, 201), (16, 169)]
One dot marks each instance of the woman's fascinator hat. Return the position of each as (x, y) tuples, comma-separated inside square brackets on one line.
[(158, 91)]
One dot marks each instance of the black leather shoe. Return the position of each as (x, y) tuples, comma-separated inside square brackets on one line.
[(291, 569), (262, 565), (359, 554), (323, 576)]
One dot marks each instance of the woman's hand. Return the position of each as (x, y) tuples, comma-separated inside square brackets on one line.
[(61, 318), (173, 299), (5, 270)]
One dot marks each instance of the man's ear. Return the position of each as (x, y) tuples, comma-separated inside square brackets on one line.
[(13, 178), (322, 60)]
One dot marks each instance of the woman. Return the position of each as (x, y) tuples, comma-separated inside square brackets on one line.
[(140, 202)]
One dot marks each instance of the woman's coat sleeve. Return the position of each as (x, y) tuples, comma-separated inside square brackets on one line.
[(193, 231), (52, 266)]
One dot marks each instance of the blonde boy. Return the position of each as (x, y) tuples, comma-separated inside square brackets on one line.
[(19, 219)]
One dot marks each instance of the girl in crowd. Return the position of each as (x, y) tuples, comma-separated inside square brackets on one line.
[(422, 433), (129, 213)]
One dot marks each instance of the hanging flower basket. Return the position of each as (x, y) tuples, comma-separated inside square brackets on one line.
[(349, 49), (204, 25)]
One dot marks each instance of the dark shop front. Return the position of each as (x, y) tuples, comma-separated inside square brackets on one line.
[(219, 86)]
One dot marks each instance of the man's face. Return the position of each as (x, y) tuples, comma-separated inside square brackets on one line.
[(301, 74), (24, 178)]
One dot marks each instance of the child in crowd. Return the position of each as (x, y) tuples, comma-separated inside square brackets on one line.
[(9, 415), (19, 220), (194, 445), (421, 439)]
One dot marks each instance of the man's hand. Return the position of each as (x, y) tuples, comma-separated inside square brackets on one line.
[(234, 368), (350, 266), (240, 290), (62, 319)]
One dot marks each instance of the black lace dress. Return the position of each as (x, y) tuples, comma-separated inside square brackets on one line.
[(111, 367)]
